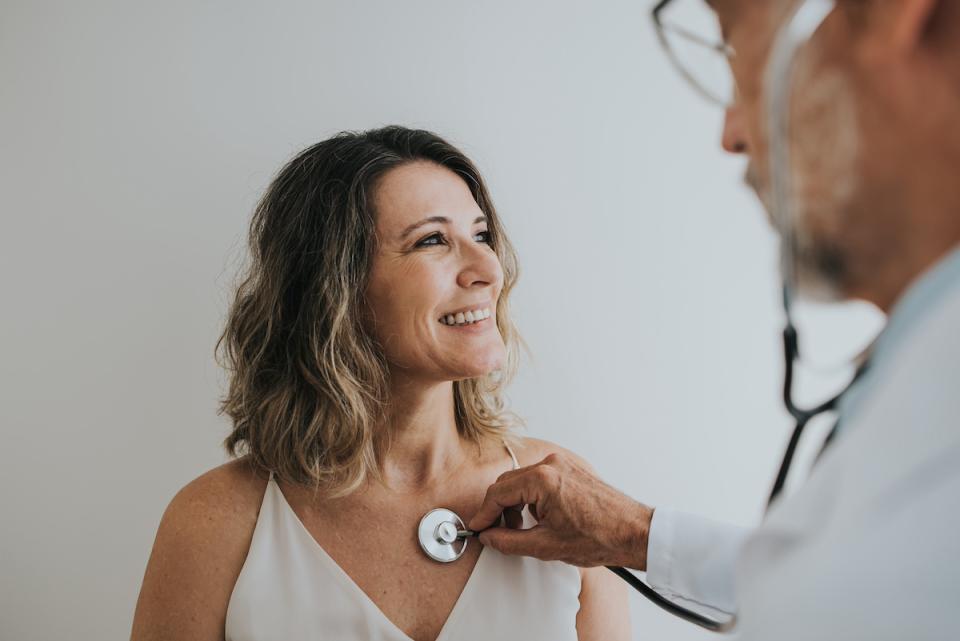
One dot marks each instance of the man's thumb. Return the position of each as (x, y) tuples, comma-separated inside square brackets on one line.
[(509, 541)]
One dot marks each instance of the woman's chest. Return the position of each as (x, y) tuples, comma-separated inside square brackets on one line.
[(357, 572), (377, 548)]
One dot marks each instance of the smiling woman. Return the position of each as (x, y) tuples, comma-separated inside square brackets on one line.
[(340, 238), (368, 346)]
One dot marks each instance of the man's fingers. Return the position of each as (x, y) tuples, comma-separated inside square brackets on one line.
[(501, 495), (530, 542)]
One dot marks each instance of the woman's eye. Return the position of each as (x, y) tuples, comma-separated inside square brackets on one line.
[(432, 239), (439, 239)]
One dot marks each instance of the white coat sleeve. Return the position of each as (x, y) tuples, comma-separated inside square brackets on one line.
[(691, 559)]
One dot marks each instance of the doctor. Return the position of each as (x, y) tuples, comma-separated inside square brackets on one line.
[(869, 546)]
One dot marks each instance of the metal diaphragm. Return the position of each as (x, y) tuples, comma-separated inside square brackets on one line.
[(439, 535)]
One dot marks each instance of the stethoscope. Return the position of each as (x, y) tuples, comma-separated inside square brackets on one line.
[(442, 533)]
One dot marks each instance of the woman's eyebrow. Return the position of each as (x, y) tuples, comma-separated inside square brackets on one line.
[(434, 219)]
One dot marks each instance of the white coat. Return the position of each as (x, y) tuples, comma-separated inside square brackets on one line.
[(869, 546)]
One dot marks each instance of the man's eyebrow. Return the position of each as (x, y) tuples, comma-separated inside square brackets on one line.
[(434, 219)]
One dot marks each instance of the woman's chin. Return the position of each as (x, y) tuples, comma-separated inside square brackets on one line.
[(475, 375), (478, 368)]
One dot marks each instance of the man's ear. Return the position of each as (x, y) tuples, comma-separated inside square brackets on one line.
[(909, 21), (894, 28)]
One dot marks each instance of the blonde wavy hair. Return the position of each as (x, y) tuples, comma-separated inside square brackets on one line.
[(308, 384)]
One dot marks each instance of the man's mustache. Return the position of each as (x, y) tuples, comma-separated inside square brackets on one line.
[(751, 179)]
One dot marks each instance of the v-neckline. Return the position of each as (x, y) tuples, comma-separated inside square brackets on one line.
[(351, 585)]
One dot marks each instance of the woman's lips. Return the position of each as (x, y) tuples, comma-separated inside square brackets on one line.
[(476, 326)]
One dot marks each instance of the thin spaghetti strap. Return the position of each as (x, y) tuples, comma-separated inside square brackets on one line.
[(513, 456)]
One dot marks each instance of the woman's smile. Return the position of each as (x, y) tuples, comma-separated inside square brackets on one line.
[(466, 318)]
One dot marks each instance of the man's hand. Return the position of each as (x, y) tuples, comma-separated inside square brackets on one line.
[(581, 520)]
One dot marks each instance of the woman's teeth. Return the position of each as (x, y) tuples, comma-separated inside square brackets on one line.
[(466, 318)]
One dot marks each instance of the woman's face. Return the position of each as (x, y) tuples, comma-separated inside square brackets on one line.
[(433, 271)]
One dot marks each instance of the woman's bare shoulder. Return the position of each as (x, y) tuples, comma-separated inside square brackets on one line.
[(217, 511), (534, 450), (229, 489), (201, 544)]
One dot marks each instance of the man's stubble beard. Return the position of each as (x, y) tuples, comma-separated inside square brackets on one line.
[(823, 154)]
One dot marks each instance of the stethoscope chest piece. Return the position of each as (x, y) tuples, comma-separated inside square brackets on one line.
[(441, 535)]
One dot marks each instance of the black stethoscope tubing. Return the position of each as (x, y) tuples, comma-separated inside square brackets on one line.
[(440, 527), (802, 418)]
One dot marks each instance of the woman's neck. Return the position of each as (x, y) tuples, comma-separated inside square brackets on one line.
[(424, 445)]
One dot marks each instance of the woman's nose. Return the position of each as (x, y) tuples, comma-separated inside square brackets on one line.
[(734, 138), (479, 266)]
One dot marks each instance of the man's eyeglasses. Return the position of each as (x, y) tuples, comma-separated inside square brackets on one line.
[(690, 34)]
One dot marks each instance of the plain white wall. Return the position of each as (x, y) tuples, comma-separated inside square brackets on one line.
[(135, 139)]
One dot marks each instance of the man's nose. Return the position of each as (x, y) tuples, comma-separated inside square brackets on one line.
[(734, 138)]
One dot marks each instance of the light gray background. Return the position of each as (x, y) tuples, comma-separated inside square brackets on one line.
[(135, 139)]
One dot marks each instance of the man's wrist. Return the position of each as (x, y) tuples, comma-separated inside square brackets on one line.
[(639, 537)]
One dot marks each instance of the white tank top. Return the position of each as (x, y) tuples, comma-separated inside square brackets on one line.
[(290, 589)]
